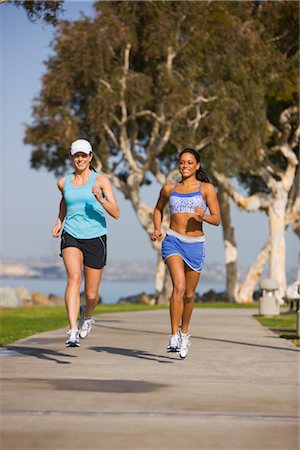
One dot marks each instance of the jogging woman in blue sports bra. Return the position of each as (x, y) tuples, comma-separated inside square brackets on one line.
[(183, 248), (86, 197)]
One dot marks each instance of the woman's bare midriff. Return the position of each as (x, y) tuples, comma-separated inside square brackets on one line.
[(187, 224)]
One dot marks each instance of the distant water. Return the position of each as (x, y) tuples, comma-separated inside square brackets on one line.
[(110, 291)]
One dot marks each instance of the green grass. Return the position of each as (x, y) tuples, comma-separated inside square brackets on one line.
[(227, 305), (285, 325), (19, 323)]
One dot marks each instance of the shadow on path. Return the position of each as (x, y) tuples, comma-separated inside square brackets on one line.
[(85, 385), (40, 353), (130, 330), (248, 344), (132, 353)]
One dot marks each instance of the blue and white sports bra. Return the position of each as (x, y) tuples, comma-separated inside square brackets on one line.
[(182, 203)]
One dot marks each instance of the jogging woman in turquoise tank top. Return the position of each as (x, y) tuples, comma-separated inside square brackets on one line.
[(86, 197), (183, 248)]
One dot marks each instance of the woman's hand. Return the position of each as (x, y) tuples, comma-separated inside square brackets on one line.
[(156, 235), (97, 193), (56, 229), (199, 211)]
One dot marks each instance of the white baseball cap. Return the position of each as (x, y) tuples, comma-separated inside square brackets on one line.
[(81, 145)]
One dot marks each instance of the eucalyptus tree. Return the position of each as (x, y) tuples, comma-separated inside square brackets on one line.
[(46, 10), (142, 80), (273, 183), (273, 189)]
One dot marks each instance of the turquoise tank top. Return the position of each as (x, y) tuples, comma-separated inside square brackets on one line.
[(85, 217)]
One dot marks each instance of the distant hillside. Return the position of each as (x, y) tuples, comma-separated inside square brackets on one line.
[(53, 268)]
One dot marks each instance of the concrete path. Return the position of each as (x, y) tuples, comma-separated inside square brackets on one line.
[(238, 388)]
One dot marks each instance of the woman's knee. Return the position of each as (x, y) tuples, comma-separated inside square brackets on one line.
[(92, 295), (75, 278), (189, 297), (179, 289)]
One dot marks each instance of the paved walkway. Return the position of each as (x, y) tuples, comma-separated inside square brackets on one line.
[(238, 388)]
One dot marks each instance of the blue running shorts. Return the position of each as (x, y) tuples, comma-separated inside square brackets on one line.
[(191, 249)]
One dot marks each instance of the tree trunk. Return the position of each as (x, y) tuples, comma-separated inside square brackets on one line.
[(163, 283), (277, 235), (160, 276), (230, 247), (163, 297), (246, 289)]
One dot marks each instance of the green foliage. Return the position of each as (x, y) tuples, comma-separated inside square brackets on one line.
[(41, 10), (229, 51), (241, 58)]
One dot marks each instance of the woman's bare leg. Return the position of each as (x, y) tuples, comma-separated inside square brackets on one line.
[(92, 283), (73, 260), (191, 281), (176, 267)]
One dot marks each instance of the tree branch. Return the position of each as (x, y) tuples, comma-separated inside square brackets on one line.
[(170, 57), (252, 203), (203, 143), (148, 112), (111, 135), (198, 99), (267, 177), (285, 119), (194, 123), (106, 84), (246, 289)]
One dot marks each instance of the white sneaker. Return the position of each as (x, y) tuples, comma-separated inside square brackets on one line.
[(73, 338), (85, 324), (174, 343), (184, 345)]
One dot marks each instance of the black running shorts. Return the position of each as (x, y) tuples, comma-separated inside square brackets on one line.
[(94, 250)]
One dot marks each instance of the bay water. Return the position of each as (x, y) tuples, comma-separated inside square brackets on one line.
[(110, 291)]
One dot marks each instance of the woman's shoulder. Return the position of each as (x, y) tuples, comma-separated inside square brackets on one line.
[(61, 182), (167, 189), (207, 185), (64, 180), (100, 178), (207, 188)]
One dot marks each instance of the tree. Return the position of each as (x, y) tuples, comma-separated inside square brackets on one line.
[(38, 9), (273, 185), (142, 83), (277, 199), (230, 245)]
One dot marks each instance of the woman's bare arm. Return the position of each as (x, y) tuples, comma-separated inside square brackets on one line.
[(109, 203)]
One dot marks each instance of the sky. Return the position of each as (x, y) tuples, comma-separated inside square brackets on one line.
[(30, 198)]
